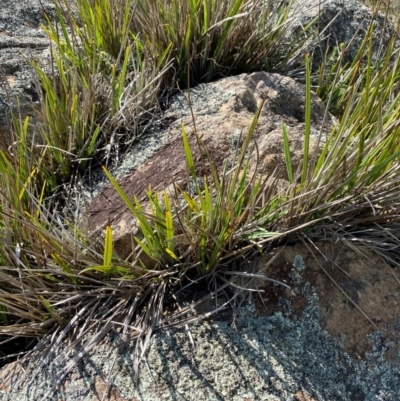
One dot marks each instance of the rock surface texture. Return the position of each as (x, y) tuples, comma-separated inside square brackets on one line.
[(312, 342), (339, 22), (223, 112), (285, 348), (21, 40)]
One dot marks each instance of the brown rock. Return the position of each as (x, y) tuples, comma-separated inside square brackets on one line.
[(302, 395), (9, 376), (358, 294), (223, 112)]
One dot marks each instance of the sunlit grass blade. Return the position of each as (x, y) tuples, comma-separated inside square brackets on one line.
[(108, 246), (307, 127), (288, 157)]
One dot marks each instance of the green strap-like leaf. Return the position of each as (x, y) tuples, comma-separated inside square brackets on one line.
[(108, 245), (288, 157)]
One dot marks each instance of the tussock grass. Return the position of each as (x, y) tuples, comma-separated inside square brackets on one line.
[(112, 61), (213, 39)]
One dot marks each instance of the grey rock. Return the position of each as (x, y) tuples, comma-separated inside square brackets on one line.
[(339, 22), (280, 357), (21, 41)]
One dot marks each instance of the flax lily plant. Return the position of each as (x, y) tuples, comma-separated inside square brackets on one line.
[(207, 227), (112, 62)]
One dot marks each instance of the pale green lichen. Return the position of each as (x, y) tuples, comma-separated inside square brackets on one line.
[(298, 263)]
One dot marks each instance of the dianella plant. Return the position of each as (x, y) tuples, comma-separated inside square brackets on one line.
[(112, 63)]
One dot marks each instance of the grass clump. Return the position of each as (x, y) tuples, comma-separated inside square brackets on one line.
[(209, 226), (113, 61), (213, 39)]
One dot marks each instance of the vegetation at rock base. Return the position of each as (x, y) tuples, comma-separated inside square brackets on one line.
[(113, 63)]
